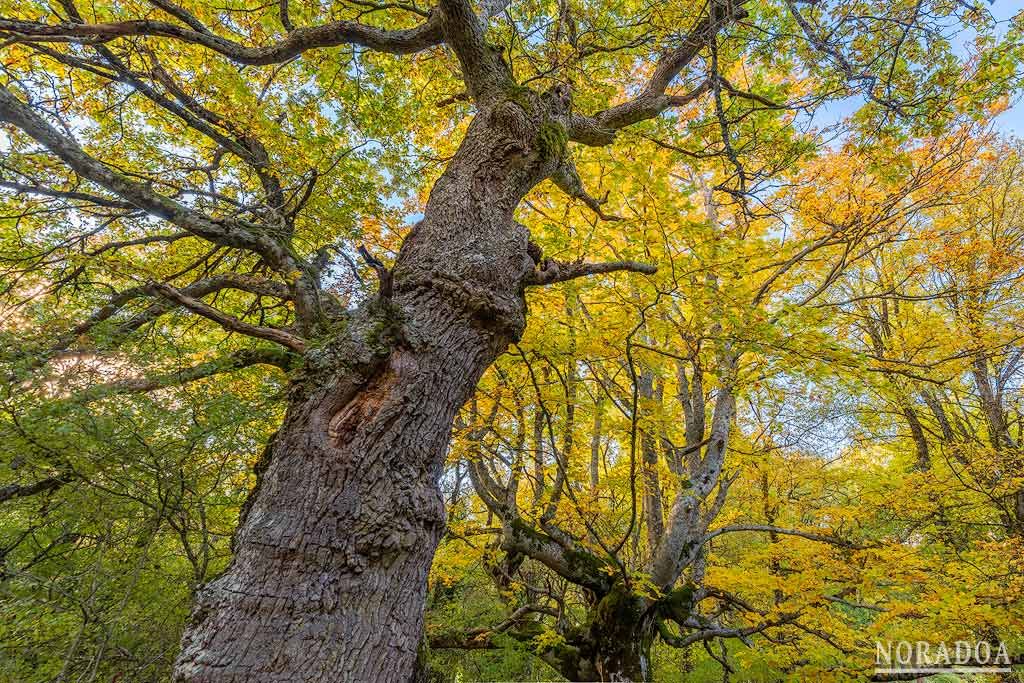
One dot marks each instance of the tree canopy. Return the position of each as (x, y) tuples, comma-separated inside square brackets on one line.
[(759, 409)]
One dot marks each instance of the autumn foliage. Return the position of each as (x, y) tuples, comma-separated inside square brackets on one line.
[(780, 420)]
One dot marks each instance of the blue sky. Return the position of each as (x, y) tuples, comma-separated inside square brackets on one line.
[(1011, 121)]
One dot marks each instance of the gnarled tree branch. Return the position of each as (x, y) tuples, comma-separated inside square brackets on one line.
[(599, 129), (225, 233), (238, 360), (228, 322), (397, 41), (550, 270)]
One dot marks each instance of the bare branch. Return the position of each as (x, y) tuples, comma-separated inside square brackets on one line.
[(398, 41), (25, 188), (139, 241), (181, 14), (236, 361), (567, 178), (195, 290), (228, 322), (383, 274), (833, 540), (722, 632), (550, 270), (857, 605), (229, 234), (286, 20), (42, 486), (600, 128), (753, 97)]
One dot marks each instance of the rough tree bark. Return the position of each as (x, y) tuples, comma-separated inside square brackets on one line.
[(329, 576)]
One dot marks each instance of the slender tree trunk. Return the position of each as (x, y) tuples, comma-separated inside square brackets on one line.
[(595, 444), (329, 575), (654, 515), (539, 483), (923, 462)]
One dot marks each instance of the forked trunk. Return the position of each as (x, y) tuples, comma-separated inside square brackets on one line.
[(329, 574)]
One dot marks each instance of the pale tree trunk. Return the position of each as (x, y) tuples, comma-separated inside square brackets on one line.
[(329, 577), (654, 515), (595, 444)]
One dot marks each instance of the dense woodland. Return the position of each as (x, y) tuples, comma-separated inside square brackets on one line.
[(587, 340)]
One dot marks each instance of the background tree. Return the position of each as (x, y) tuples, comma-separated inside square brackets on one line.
[(737, 311)]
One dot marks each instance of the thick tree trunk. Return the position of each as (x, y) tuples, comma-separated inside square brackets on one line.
[(330, 571), (627, 657), (329, 574), (616, 645)]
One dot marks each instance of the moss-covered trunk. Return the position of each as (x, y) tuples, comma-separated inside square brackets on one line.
[(614, 646)]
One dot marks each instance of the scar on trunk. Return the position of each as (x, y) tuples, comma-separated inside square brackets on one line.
[(361, 408)]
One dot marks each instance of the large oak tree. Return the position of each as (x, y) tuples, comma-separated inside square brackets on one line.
[(331, 554)]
